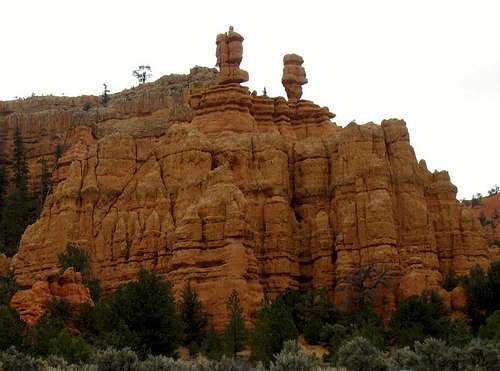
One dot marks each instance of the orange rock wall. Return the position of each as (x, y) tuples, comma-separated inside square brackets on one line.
[(260, 195), (489, 207)]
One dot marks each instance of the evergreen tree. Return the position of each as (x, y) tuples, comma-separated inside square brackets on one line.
[(77, 258), (19, 208), (193, 318), (59, 152), (234, 339), (459, 334), (12, 329), (19, 162), (141, 315), (212, 345), (273, 326), (8, 287), (105, 95), (419, 317)]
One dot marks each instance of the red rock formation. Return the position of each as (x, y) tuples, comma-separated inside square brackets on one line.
[(32, 303), (258, 194), (229, 54), (487, 210), (294, 76), (47, 122)]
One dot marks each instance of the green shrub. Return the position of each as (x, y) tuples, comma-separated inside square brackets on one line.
[(292, 358), (404, 358), (312, 330), (367, 324), (71, 348), (115, 360), (419, 317), (55, 362), (229, 364), (315, 307), (8, 287), (12, 360), (358, 354), (95, 289), (491, 329), (459, 334), (451, 280), (338, 335), (75, 257), (434, 355), (12, 329), (480, 356), (50, 325), (273, 326), (482, 293), (61, 309), (157, 363)]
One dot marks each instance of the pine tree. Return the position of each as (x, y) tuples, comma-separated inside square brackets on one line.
[(142, 315), (193, 318), (19, 162), (105, 95), (273, 326), (234, 340), (18, 210)]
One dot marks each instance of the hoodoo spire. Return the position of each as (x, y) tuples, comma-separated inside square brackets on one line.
[(229, 55), (294, 76)]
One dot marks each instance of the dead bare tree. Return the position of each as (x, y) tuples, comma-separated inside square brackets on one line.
[(365, 282)]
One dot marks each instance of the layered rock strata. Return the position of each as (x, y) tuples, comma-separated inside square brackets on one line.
[(47, 122), (261, 195), (487, 210)]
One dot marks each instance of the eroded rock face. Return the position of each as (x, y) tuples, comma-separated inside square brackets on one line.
[(32, 303), (48, 122), (261, 195), (487, 210)]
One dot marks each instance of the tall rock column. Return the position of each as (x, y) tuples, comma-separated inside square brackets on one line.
[(227, 105), (229, 56), (294, 76)]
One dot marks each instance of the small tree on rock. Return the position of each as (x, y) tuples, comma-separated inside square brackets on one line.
[(105, 95), (142, 73)]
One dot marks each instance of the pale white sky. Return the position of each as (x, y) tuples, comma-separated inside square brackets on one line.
[(434, 63)]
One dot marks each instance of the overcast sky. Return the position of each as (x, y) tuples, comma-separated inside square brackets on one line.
[(434, 63)]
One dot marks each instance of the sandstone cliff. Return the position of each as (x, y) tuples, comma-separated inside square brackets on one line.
[(47, 122), (488, 211), (254, 193)]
